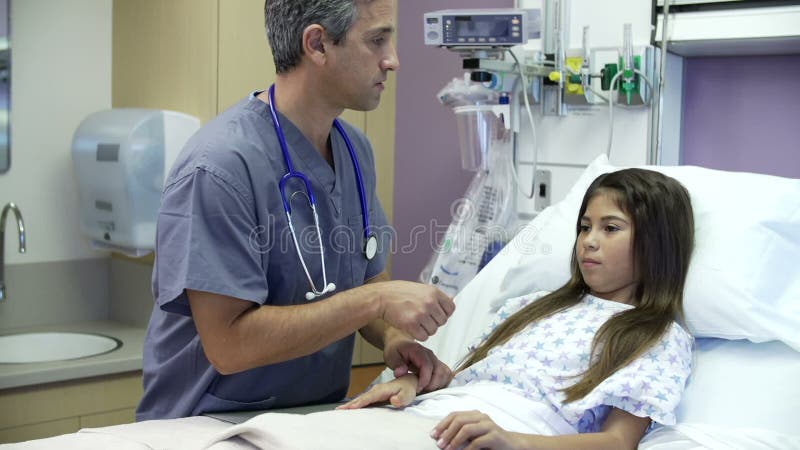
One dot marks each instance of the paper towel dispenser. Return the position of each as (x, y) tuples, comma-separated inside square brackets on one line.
[(121, 157)]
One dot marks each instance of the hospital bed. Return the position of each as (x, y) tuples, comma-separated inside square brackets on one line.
[(742, 303)]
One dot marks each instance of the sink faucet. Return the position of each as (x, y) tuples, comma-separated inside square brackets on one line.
[(21, 228)]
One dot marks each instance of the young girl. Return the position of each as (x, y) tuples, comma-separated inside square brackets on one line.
[(603, 355)]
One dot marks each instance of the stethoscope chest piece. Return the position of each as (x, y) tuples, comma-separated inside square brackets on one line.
[(371, 247)]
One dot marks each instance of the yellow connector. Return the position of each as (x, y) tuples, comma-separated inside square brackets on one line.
[(555, 77), (575, 64)]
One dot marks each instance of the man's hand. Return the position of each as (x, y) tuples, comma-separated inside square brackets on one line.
[(403, 355), (418, 309)]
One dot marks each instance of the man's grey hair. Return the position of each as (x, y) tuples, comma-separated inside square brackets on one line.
[(285, 21)]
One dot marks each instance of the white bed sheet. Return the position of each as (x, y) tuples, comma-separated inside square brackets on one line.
[(366, 429), (690, 436)]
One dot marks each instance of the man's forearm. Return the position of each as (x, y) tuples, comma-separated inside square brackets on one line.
[(271, 334), (238, 335), (375, 331)]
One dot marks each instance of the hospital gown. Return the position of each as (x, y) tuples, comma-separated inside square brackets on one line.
[(550, 354)]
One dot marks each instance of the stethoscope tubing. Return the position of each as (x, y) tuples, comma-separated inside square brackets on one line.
[(359, 179), (369, 250), (291, 173)]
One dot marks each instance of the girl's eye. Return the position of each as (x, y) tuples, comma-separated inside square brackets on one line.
[(611, 228), (583, 228)]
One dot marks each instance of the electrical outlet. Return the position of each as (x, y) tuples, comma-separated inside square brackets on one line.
[(542, 189)]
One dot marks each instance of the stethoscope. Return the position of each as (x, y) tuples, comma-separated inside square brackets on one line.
[(370, 241)]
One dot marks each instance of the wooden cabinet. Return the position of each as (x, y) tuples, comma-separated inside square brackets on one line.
[(36, 412), (362, 376), (202, 56)]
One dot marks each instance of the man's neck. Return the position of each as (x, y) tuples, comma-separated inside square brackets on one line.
[(296, 99)]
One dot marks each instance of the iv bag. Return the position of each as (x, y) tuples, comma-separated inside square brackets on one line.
[(482, 221)]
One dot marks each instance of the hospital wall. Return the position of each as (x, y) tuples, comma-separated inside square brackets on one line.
[(742, 113), (61, 72)]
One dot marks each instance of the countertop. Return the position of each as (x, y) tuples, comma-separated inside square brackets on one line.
[(126, 358)]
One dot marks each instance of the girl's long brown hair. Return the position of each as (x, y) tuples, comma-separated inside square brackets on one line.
[(663, 240)]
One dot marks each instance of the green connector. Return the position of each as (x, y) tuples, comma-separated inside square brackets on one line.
[(629, 87)]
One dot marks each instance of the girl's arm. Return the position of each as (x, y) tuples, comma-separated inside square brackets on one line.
[(476, 430), (399, 392)]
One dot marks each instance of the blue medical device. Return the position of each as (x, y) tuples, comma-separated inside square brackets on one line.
[(370, 247)]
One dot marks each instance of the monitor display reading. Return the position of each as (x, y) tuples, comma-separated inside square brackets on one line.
[(469, 26)]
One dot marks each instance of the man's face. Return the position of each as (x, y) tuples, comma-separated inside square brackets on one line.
[(361, 62)]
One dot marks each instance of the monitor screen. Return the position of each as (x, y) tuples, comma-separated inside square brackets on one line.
[(471, 26)]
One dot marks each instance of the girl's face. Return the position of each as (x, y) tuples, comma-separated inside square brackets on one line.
[(605, 250)]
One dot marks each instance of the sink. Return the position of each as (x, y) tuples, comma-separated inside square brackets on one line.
[(52, 346)]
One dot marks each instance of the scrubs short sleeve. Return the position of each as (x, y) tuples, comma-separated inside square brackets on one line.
[(206, 226)]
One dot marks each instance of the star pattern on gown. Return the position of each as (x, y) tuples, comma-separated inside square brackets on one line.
[(548, 356)]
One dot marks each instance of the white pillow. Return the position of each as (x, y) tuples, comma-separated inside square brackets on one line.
[(741, 384), (744, 280)]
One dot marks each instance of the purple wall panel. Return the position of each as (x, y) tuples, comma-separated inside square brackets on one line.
[(742, 114), (428, 173)]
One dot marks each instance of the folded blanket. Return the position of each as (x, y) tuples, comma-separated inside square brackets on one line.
[(389, 428), (185, 433), (369, 428)]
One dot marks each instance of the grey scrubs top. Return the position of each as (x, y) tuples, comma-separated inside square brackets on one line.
[(222, 229)]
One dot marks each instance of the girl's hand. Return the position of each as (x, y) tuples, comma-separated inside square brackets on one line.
[(399, 392), (473, 430)]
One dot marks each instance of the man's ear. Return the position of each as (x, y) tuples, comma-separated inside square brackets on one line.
[(314, 42), (317, 45)]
